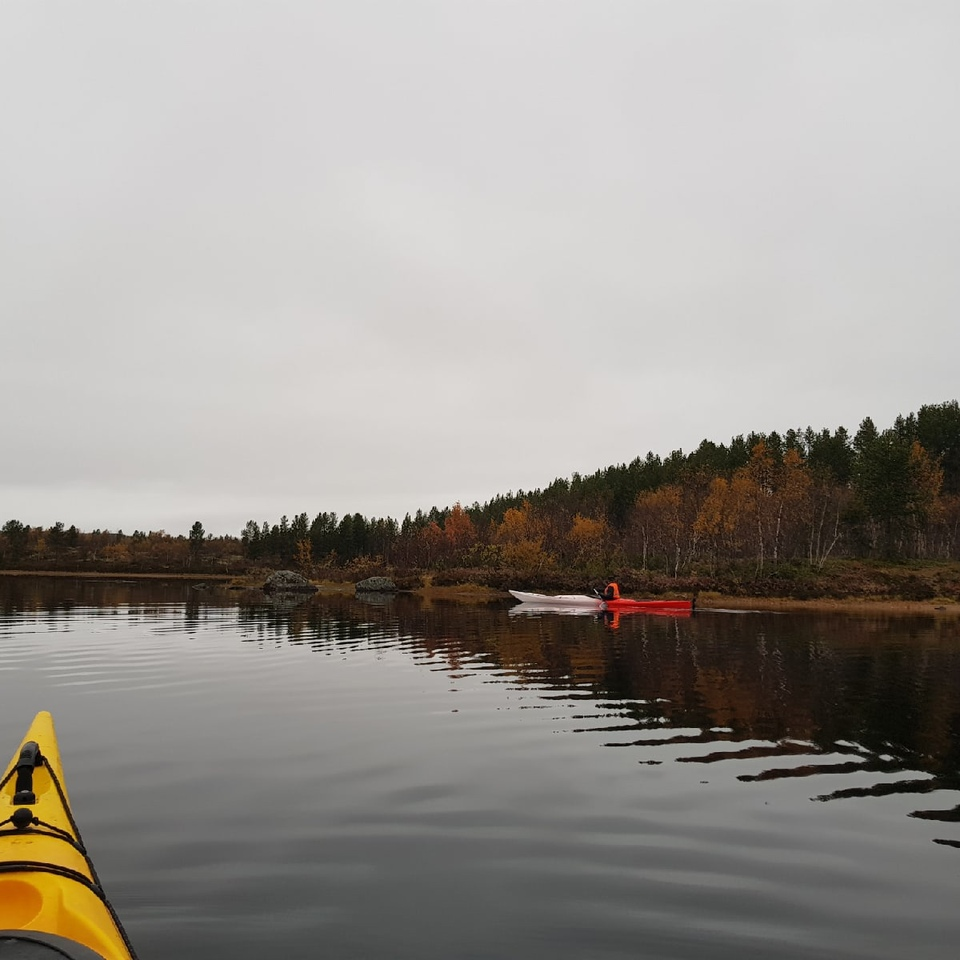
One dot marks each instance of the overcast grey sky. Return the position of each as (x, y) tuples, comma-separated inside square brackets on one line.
[(263, 258)]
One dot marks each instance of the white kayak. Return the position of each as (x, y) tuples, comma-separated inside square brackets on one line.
[(563, 600)]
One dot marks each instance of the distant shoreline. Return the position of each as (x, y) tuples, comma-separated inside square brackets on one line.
[(119, 575), (469, 592)]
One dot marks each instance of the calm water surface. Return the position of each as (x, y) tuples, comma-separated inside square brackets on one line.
[(355, 780)]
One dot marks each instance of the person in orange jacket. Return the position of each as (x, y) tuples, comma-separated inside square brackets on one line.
[(611, 591)]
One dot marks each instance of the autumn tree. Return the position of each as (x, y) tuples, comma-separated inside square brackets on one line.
[(588, 541), (761, 471), (459, 531), (304, 557), (946, 527), (657, 523), (117, 552), (926, 481), (432, 543), (521, 539), (719, 518)]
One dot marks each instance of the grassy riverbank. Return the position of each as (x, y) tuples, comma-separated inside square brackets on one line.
[(908, 585), (843, 585)]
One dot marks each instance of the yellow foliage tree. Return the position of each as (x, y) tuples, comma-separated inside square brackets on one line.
[(713, 523), (588, 539), (517, 524), (761, 474), (459, 530), (926, 482), (657, 522), (521, 539), (432, 542), (304, 555), (116, 552)]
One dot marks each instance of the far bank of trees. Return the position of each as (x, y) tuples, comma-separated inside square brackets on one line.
[(66, 548), (761, 501)]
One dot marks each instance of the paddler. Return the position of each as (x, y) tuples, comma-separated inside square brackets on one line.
[(611, 591)]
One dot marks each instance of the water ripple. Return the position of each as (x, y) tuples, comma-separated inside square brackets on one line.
[(483, 784)]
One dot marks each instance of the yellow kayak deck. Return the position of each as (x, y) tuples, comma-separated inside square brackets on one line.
[(49, 888)]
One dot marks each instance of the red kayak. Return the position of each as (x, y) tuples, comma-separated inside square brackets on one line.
[(652, 606)]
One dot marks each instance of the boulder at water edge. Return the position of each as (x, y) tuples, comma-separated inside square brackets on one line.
[(288, 581), (376, 585)]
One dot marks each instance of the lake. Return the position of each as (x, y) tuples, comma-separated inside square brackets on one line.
[(414, 779)]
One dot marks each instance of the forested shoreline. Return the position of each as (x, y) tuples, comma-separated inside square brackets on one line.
[(760, 511)]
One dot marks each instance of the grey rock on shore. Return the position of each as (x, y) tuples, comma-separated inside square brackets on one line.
[(376, 585), (288, 581)]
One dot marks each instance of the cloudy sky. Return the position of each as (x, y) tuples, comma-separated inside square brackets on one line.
[(372, 256)]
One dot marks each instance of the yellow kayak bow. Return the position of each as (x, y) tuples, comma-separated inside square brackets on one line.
[(51, 902)]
